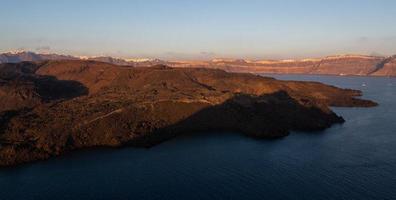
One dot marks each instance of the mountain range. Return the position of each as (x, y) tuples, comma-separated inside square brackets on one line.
[(358, 65)]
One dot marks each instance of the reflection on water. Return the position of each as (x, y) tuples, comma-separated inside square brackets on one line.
[(355, 160)]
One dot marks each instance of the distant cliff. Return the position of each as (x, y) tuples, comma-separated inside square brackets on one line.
[(359, 65), (332, 65)]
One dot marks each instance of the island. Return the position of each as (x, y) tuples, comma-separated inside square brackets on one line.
[(56, 106)]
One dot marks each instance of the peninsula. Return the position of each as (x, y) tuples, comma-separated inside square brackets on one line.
[(51, 107)]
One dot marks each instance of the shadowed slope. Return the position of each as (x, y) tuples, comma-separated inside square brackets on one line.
[(20, 87)]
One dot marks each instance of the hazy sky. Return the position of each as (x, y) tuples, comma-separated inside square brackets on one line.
[(188, 29)]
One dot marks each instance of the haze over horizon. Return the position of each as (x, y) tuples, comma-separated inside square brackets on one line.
[(200, 30)]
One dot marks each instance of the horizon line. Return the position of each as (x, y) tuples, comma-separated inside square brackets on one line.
[(126, 58)]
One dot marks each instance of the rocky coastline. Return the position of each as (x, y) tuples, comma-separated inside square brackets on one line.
[(52, 107)]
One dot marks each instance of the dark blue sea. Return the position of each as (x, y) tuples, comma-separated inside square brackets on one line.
[(355, 160)]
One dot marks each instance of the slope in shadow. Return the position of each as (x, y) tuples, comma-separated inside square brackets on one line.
[(266, 116), (20, 87), (52, 89)]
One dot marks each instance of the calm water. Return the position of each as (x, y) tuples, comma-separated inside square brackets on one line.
[(356, 160)]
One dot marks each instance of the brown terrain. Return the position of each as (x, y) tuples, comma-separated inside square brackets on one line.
[(52, 107)]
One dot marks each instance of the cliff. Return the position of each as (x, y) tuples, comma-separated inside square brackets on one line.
[(332, 65), (357, 65)]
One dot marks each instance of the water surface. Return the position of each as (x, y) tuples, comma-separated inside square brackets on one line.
[(355, 160)]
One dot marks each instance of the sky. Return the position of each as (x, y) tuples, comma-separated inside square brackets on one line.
[(200, 29)]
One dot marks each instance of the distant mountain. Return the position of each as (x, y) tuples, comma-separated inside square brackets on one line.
[(108, 59), (20, 56), (359, 65), (139, 62)]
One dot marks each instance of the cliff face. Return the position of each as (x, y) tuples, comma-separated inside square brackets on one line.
[(332, 65), (79, 104), (358, 65), (386, 68), (347, 65)]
